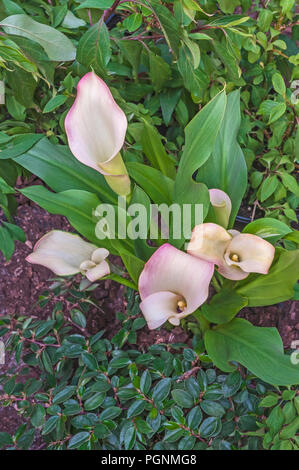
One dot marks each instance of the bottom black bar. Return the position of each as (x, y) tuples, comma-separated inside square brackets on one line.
[(138, 459)]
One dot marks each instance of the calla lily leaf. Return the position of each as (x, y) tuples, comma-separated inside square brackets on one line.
[(258, 349), (201, 134), (226, 168), (223, 306)]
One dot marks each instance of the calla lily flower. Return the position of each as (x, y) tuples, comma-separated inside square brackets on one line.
[(222, 206), (236, 254), (66, 253), (173, 285), (96, 128)]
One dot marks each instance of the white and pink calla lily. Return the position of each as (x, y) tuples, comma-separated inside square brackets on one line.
[(65, 254), (236, 254), (173, 285), (222, 206), (96, 128)]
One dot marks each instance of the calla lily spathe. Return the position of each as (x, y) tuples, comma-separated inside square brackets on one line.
[(236, 254), (66, 254), (96, 128), (222, 206), (173, 285)]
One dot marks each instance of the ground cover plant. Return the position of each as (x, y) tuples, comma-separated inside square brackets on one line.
[(88, 392), (166, 134)]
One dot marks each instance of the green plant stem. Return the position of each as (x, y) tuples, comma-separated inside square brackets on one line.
[(204, 324), (216, 284)]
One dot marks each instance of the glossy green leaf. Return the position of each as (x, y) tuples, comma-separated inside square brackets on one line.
[(60, 170), (223, 306), (210, 427), (94, 401), (78, 440), (212, 408), (268, 187), (19, 145), (258, 349), (182, 398), (269, 229), (64, 394), (6, 243), (158, 186), (201, 134), (161, 390)]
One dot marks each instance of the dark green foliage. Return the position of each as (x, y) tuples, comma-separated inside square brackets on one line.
[(93, 393)]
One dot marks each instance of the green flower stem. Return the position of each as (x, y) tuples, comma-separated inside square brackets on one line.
[(216, 284)]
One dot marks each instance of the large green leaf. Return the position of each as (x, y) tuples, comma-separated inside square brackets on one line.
[(57, 46), (226, 168), (77, 206), (201, 134), (258, 349), (158, 186), (60, 170), (277, 285), (19, 144), (223, 306)]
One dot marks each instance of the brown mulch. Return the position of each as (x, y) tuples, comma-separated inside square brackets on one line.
[(21, 283)]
